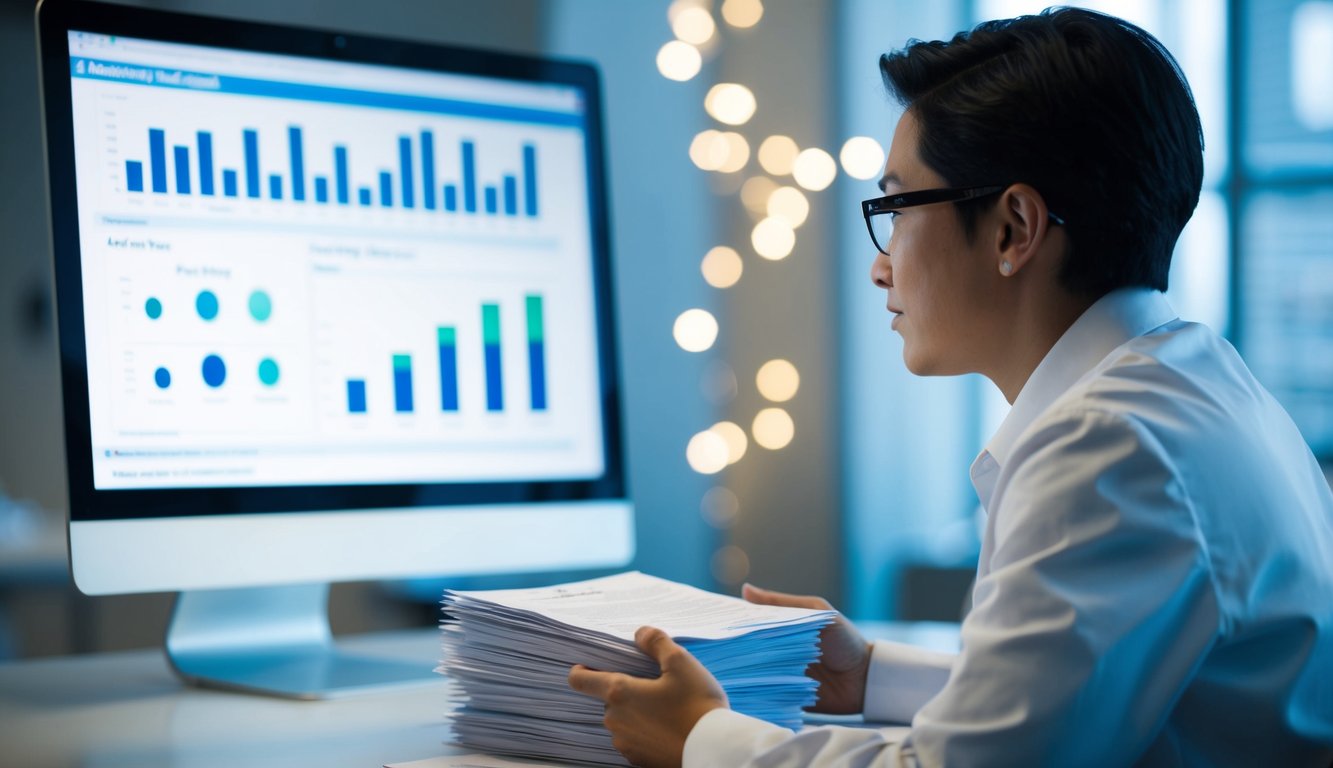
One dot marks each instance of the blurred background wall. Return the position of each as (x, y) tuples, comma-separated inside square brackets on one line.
[(773, 433)]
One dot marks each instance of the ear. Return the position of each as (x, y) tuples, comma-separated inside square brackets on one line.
[(1024, 223)]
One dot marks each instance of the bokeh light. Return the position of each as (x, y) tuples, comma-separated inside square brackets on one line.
[(778, 380), (862, 157), (731, 565), (814, 169), (742, 14), (707, 453), (738, 152), (777, 154), (730, 103), (734, 437), (773, 238), (695, 330), (709, 149), (718, 383), (755, 193), (773, 428), (679, 61), (720, 506), (694, 25), (722, 267), (790, 205)]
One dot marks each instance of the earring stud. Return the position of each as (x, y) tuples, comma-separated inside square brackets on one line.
[(1006, 268)]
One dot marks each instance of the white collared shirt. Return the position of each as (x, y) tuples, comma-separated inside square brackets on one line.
[(1155, 584)]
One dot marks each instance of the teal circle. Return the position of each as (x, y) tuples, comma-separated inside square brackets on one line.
[(207, 304), (261, 306), (268, 371), (153, 307)]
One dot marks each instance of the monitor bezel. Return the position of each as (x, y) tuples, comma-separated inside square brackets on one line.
[(55, 19)]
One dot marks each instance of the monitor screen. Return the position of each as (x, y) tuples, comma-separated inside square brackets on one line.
[(311, 282), (304, 272)]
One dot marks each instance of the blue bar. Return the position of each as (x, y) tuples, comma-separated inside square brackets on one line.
[(402, 383), (469, 177), (450, 197), (537, 374), (321, 189), (182, 169), (356, 396), (157, 158), (511, 195), (386, 189), (428, 170), (331, 95), (229, 182), (134, 175), (405, 168), (275, 186), (298, 162), (494, 394), (340, 173), (363, 195), (448, 377), (251, 162), (530, 179), (492, 199), (205, 140)]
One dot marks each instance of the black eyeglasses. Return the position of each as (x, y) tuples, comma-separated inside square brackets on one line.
[(879, 212)]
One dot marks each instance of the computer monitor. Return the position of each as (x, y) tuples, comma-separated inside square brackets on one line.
[(330, 308)]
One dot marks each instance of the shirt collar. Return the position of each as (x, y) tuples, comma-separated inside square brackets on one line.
[(1111, 321)]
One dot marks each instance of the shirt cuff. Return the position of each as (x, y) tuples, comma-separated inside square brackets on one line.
[(726, 739), (902, 678)]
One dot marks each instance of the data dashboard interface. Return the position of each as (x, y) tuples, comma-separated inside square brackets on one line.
[(305, 272)]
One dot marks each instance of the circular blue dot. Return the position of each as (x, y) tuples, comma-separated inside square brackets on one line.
[(268, 371), (215, 371), (163, 378), (154, 308), (261, 306), (207, 304)]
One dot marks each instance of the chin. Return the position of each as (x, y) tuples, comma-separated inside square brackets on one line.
[(925, 365)]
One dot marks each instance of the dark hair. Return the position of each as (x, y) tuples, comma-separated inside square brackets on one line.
[(1090, 110)]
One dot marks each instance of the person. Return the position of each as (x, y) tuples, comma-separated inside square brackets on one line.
[(1155, 583)]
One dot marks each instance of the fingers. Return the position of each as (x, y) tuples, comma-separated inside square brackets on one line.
[(592, 682), (769, 597)]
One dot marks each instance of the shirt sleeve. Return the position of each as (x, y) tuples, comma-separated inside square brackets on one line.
[(726, 739), (1097, 606), (901, 679)]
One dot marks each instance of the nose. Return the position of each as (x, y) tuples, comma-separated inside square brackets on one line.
[(881, 271)]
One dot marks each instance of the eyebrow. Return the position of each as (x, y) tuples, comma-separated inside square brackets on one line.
[(889, 178)]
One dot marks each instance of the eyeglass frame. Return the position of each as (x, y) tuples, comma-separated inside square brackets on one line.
[(896, 202)]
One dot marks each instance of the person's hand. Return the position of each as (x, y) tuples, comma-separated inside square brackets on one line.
[(844, 659), (649, 719)]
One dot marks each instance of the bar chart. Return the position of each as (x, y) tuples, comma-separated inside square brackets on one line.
[(326, 274), (491, 362), (416, 183)]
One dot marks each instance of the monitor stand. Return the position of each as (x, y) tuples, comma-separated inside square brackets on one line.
[(274, 641)]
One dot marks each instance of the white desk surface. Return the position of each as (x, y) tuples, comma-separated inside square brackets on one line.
[(129, 709)]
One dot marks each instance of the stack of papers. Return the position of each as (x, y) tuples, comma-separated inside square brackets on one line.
[(509, 652)]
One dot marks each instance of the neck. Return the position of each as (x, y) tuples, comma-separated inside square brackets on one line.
[(1037, 324)]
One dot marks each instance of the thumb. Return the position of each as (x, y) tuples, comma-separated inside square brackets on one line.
[(768, 597), (658, 645)]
